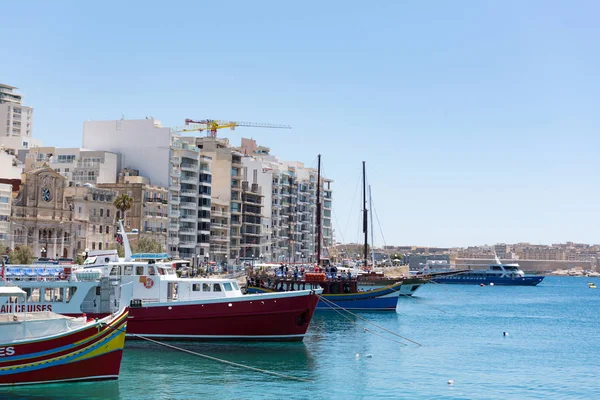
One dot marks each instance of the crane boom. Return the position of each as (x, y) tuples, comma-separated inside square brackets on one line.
[(213, 125)]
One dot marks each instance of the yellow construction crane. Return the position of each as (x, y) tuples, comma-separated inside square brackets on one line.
[(212, 125)]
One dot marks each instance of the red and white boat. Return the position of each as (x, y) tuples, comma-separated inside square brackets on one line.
[(45, 347), (166, 306)]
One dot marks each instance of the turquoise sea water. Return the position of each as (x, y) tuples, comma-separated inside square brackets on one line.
[(552, 351)]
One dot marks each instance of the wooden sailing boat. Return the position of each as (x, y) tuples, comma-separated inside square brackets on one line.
[(339, 290)]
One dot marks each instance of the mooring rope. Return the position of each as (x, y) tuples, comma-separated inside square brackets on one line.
[(332, 304), (194, 353)]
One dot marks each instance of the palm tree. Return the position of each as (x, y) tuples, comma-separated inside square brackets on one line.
[(123, 203)]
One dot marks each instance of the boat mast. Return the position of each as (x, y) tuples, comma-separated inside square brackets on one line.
[(365, 224), (372, 239), (318, 213)]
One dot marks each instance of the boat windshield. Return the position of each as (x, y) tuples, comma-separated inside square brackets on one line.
[(511, 268)]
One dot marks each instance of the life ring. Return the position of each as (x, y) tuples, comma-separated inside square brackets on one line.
[(149, 283), (62, 276)]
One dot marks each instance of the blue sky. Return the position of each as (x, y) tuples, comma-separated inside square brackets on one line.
[(478, 120)]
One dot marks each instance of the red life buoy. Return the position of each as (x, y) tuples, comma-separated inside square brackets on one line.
[(62, 276), (149, 283)]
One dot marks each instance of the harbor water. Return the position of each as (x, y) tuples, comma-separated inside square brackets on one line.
[(493, 342)]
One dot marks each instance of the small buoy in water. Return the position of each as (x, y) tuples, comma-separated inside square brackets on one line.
[(491, 283), (357, 355), (505, 333), (481, 284), (369, 355), (450, 382)]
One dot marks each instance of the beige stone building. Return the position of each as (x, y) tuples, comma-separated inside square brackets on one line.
[(149, 211)]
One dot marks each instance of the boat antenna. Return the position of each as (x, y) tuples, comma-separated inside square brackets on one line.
[(318, 213), (365, 224), (126, 245)]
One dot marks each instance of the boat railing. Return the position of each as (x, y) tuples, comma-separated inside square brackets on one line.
[(32, 273)]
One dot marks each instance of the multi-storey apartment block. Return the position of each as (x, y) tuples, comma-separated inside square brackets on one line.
[(15, 121)]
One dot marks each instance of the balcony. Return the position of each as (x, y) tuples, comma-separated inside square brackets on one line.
[(188, 205), (188, 231), (218, 249), (219, 226), (187, 244), (219, 239), (191, 180), (187, 192), (216, 213), (188, 218), (189, 167)]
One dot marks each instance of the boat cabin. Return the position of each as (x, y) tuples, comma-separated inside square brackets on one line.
[(158, 282)]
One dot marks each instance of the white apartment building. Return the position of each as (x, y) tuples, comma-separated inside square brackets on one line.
[(77, 165), (169, 161), (224, 215), (291, 235), (15, 121), (144, 145), (5, 203)]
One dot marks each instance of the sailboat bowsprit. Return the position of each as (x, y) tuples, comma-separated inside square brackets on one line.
[(339, 290)]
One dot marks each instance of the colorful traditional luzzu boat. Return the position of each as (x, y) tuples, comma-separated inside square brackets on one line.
[(44, 347)]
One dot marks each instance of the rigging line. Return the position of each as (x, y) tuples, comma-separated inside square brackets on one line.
[(352, 206), (379, 224), (327, 301), (263, 371), (338, 224), (339, 309)]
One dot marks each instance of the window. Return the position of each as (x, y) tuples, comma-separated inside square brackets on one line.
[(93, 245), (151, 270), (128, 270), (206, 287), (216, 287), (227, 287), (33, 295), (69, 293), (102, 212), (79, 210), (107, 229), (139, 270), (107, 213), (196, 287), (100, 230), (99, 245), (115, 271)]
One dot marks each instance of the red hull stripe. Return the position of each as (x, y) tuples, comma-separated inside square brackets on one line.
[(63, 360), (105, 366)]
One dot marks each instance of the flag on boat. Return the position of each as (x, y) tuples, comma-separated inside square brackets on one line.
[(119, 238)]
